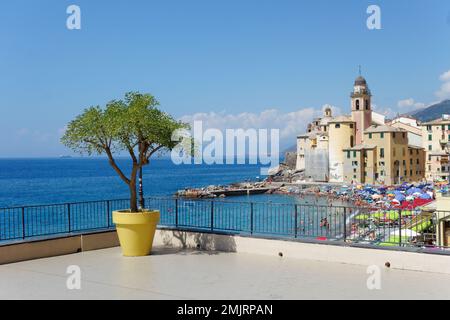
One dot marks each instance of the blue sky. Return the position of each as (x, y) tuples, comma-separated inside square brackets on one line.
[(214, 57)]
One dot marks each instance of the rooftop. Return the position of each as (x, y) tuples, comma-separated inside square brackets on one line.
[(383, 128), (439, 121), (341, 119), (360, 147), (179, 274)]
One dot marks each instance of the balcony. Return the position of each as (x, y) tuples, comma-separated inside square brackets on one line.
[(173, 274)]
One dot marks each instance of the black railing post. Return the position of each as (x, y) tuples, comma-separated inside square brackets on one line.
[(251, 217), (212, 215), (176, 212), (345, 224), (23, 224), (296, 221), (400, 227), (108, 208), (69, 220)]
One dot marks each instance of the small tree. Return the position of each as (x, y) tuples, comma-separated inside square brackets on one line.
[(134, 125)]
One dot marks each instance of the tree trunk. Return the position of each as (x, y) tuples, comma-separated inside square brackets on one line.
[(133, 194)]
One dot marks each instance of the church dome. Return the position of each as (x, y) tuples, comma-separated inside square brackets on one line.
[(360, 81)]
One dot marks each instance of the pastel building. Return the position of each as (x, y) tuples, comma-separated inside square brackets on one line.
[(436, 138), (359, 147)]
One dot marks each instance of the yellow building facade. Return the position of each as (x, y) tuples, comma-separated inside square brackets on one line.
[(358, 148), (384, 158)]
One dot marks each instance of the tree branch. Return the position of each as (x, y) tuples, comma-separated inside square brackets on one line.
[(113, 164)]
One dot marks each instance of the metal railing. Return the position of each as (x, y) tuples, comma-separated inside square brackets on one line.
[(401, 228)]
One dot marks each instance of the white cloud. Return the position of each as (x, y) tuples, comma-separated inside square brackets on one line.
[(445, 76), (444, 92), (410, 104), (290, 124)]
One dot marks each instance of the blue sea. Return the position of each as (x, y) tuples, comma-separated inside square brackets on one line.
[(47, 181), (29, 182)]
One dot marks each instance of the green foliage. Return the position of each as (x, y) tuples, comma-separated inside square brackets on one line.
[(134, 125)]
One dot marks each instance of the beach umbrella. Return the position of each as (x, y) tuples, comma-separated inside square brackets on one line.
[(425, 196), (410, 198), (413, 190), (399, 196), (377, 196)]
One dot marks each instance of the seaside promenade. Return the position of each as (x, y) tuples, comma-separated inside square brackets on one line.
[(180, 274)]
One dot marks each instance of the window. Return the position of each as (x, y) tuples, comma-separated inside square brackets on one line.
[(366, 104), (382, 135), (357, 104), (370, 136), (443, 127), (337, 126), (410, 172), (430, 148), (354, 154), (410, 152), (393, 135), (417, 161), (429, 128), (348, 154), (411, 161), (351, 125), (365, 173), (381, 152), (430, 137), (404, 135), (404, 162), (351, 142)]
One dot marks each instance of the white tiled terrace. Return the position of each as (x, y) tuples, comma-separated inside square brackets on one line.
[(180, 274)]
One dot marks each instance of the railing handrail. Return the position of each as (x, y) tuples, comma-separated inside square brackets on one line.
[(217, 200), (293, 220)]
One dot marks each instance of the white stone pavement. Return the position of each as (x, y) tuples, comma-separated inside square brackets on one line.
[(175, 274)]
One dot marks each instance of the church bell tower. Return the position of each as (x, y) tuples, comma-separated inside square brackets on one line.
[(361, 108)]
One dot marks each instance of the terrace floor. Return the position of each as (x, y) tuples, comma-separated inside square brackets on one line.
[(174, 274)]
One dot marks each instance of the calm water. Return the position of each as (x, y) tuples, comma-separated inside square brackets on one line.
[(53, 181), (45, 181)]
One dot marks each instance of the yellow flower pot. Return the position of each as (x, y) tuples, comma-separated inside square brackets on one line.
[(136, 231)]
